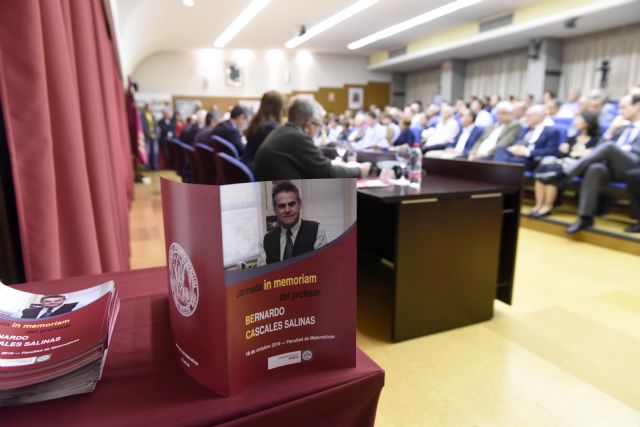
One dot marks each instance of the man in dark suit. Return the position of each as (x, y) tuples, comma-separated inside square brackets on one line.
[(232, 129), (293, 236), (610, 160), (167, 129), (204, 135), (536, 142), (461, 145), (188, 135), (289, 151), (633, 188), (501, 134), (50, 306)]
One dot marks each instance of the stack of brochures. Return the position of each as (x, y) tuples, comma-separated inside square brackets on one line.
[(55, 344)]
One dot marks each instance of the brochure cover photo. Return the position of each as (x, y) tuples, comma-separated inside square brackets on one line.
[(53, 345), (262, 278)]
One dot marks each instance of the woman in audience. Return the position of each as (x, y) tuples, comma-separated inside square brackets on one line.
[(548, 173), (268, 118)]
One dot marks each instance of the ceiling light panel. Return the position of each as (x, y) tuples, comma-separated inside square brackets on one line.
[(240, 22), (333, 20), (431, 15)]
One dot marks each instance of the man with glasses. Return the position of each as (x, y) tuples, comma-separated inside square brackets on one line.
[(501, 134), (538, 140), (289, 151)]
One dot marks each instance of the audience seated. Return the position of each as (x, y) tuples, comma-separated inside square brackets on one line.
[(431, 116), (406, 137), (461, 145), (502, 134), (445, 131), (358, 129), (596, 102), (494, 100), (391, 129), (570, 108), (231, 129), (334, 128), (375, 134), (552, 106), (415, 109), (267, 119), (611, 159), (204, 135), (289, 152), (188, 135), (520, 112), (345, 129), (548, 173), (557, 141), (536, 141), (483, 117)]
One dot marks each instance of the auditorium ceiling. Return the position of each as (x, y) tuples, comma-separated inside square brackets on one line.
[(148, 26)]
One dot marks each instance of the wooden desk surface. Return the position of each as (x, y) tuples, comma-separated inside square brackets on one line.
[(436, 186)]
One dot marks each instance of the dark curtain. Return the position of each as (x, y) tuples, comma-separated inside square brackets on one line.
[(63, 107), (11, 267)]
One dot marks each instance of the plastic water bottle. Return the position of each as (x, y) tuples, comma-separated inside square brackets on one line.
[(415, 166)]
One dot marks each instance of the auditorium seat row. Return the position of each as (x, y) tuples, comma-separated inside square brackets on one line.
[(202, 164)]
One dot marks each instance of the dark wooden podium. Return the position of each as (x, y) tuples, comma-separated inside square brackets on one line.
[(447, 249)]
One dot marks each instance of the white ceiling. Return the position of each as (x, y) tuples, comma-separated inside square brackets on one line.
[(148, 26), (617, 15), (145, 27)]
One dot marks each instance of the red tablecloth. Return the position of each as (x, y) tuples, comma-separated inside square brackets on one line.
[(142, 384)]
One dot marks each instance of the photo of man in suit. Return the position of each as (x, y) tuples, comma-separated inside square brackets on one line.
[(293, 236), (50, 306)]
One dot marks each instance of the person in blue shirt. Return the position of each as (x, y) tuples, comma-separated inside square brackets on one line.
[(406, 136)]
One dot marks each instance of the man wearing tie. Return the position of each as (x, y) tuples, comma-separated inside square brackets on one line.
[(539, 140), (293, 236), (610, 160), (51, 305), (502, 134)]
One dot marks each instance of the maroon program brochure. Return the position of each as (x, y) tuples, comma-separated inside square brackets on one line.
[(53, 345), (262, 278)]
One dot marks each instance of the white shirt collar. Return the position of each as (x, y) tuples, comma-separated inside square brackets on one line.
[(294, 229)]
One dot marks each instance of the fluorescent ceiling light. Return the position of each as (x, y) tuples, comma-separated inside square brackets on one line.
[(436, 13), (344, 14), (240, 22), (188, 3)]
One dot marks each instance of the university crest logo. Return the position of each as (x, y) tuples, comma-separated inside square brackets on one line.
[(183, 280)]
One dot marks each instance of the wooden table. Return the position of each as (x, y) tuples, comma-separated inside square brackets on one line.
[(447, 249)]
